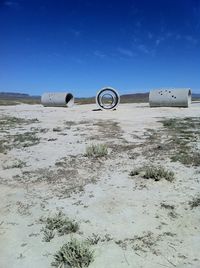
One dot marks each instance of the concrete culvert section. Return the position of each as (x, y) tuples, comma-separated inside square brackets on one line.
[(57, 99), (170, 97), (107, 98)]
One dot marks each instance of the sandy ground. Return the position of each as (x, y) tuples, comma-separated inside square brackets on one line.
[(136, 231)]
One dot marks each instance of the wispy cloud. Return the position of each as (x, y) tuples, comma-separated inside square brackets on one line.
[(78, 60), (99, 54), (126, 52), (143, 49), (138, 23), (11, 4), (177, 36), (163, 38), (191, 39), (75, 33), (187, 38), (196, 13), (159, 40), (150, 35)]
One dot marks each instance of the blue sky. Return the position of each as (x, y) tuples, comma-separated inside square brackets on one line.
[(83, 45)]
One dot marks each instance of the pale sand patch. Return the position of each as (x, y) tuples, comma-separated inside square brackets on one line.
[(99, 194)]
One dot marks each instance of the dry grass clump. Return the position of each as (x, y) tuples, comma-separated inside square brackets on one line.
[(73, 254), (96, 150), (155, 173), (158, 173), (59, 223), (195, 202)]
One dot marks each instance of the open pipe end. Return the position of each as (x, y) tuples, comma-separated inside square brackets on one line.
[(69, 100), (107, 98)]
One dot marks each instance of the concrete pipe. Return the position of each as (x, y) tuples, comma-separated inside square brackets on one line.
[(57, 99), (107, 98), (170, 97)]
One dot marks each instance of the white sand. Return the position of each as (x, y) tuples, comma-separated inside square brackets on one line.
[(114, 205)]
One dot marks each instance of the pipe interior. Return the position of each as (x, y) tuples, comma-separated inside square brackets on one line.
[(107, 99), (189, 96), (68, 98)]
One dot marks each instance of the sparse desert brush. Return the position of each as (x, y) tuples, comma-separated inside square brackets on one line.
[(195, 202), (48, 235), (7, 122), (59, 223), (183, 134), (187, 157), (155, 173), (96, 150), (158, 173), (93, 239), (57, 129), (135, 172), (2, 147), (16, 164), (73, 254), (167, 206), (170, 123), (25, 140)]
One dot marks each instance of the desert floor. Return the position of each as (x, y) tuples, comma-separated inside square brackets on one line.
[(128, 221)]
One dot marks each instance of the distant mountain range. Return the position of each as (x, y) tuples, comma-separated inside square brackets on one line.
[(11, 98), (12, 95), (129, 98), (196, 96), (126, 98)]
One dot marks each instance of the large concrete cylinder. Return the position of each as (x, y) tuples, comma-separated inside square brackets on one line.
[(170, 97), (57, 99), (107, 98)]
